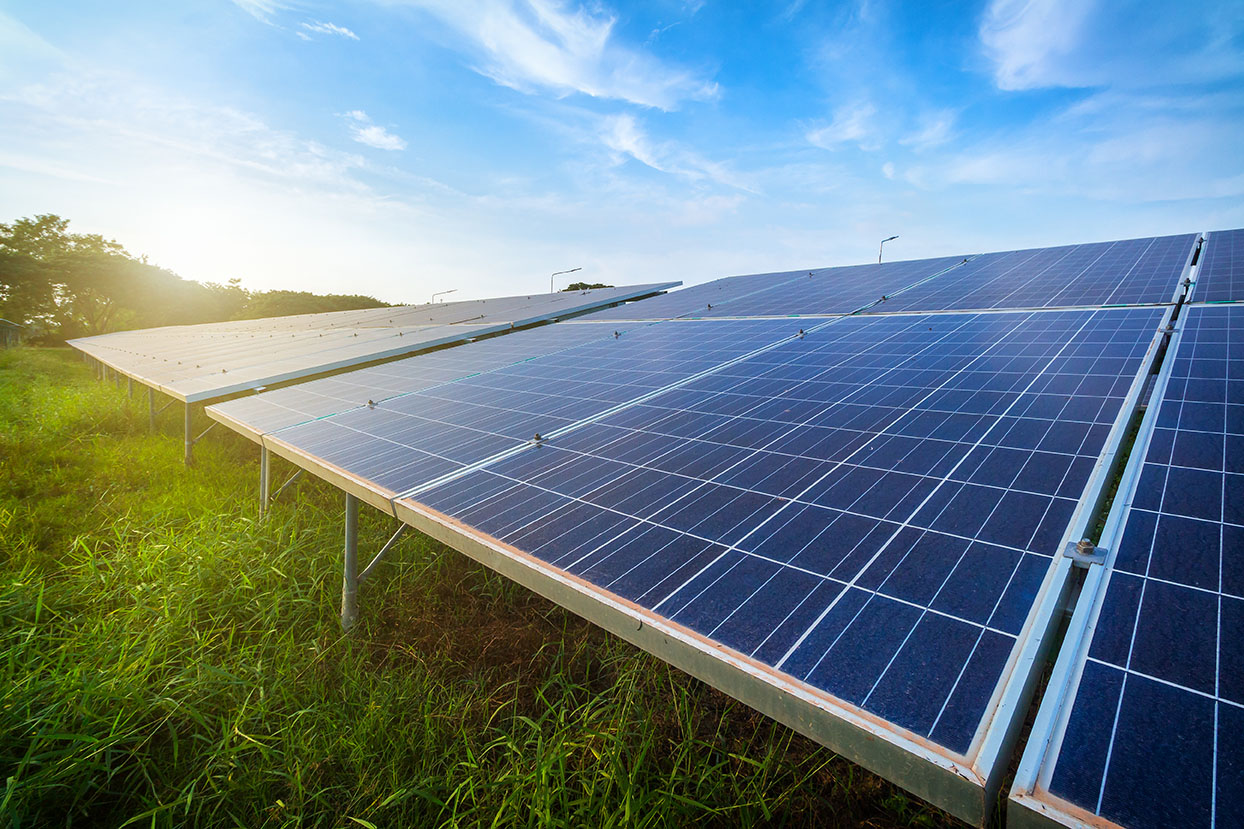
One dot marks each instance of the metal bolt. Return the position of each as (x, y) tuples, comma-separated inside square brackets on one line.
[(1085, 547)]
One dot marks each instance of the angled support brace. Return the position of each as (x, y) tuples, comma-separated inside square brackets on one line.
[(292, 479), (388, 545)]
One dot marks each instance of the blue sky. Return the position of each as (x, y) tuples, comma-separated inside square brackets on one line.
[(400, 147)]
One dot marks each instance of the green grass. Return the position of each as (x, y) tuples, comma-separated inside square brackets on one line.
[(168, 659)]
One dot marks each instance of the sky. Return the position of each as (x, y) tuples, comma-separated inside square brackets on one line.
[(401, 147)]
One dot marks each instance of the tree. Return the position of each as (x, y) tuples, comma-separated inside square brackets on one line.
[(34, 257), (80, 284), (284, 303), (583, 286)]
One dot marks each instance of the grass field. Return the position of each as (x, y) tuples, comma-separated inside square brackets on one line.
[(167, 659)]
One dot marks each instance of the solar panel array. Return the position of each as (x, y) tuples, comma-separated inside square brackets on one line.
[(433, 431), (213, 360), (1220, 273), (870, 509), (1136, 271), (1151, 732), (278, 409), (823, 291), (849, 511)]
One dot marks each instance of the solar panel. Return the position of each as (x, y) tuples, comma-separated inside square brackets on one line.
[(1136, 271), (836, 290), (857, 530), (1220, 273), (272, 411), (820, 291), (693, 300), (194, 363), (1143, 720), (413, 437)]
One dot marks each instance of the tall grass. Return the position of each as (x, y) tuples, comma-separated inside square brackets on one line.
[(168, 659)]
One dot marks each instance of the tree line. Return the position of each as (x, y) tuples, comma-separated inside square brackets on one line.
[(62, 285)]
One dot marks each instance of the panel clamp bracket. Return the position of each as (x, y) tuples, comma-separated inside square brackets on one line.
[(1084, 553)]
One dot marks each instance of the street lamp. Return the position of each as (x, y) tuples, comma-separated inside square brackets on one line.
[(882, 245), (559, 273), (442, 293)]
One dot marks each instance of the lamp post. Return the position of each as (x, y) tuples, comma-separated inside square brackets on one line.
[(559, 273), (442, 293), (882, 246)]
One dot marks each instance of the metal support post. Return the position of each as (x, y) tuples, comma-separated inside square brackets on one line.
[(151, 409), (350, 580), (189, 438), (265, 479), (129, 382)]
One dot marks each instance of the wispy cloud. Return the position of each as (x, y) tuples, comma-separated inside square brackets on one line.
[(1129, 44), (320, 28), (623, 135), (935, 129), (534, 45), (852, 124), (1126, 155), (261, 10), (1029, 40), (364, 131)]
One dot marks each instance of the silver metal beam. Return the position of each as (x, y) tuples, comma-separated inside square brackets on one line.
[(350, 576), (265, 480), (189, 439), (151, 409)]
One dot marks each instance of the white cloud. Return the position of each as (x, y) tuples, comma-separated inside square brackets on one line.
[(887, 170), (364, 131), (852, 124), (1028, 40), (626, 138), (1125, 154), (1128, 43), (261, 10), (935, 129), (321, 28), (533, 45)]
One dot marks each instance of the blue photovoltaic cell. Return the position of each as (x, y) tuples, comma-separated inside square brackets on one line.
[(834, 290), (1156, 732), (870, 509), (409, 439), (1220, 273), (281, 408), (1106, 273), (819, 291), (692, 301)]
